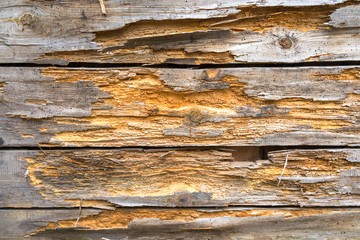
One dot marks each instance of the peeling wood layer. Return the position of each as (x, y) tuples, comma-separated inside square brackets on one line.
[(247, 223), (176, 32), (179, 178), (179, 107), (126, 218)]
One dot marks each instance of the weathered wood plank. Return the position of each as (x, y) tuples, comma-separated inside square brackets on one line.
[(233, 223), (179, 178), (185, 31), (179, 107), (17, 224)]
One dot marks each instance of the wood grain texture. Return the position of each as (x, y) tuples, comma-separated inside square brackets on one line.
[(185, 31), (179, 178), (199, 169), (232, 223), (179, 107)]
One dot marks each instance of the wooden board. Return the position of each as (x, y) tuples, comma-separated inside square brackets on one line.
[(179, 107), (182, 32), (179, 178), (232, 223)]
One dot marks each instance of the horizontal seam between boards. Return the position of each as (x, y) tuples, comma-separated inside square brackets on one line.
[(229, 207), (201, 147), (191, 66)]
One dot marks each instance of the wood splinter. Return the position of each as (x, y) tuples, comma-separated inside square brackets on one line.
[(79, 214), (42, 150), (102, 5), (283, 169)]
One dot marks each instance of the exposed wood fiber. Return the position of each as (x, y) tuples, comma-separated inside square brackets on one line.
[(179, 177), (248, 223), (180, 107)]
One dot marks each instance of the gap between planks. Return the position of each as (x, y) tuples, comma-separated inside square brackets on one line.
[(192, 66), (228, 208), (266, 147)]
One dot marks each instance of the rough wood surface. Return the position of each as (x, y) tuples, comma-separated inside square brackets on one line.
[(232, 223), (179, 178), (185, 31), (200, 169), (179, 107)]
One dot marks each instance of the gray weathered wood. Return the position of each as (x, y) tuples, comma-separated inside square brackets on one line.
[(179, 178), (179, 107), (150, 32), (18, 223), (233, 223)]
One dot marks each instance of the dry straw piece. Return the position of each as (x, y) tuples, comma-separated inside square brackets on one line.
[(102, 5), (283, 169)]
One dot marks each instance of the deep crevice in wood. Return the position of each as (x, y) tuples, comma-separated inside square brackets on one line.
[(229, 207), (193, 66), (263, 150)]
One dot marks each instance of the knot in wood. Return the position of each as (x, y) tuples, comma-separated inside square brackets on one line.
[(183, 199), (196, 116), (285, 43), (27, 19)]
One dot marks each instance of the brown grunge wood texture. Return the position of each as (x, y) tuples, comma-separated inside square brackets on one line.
[(186, 119)]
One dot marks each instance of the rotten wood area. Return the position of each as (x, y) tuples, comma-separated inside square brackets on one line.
[(179, 107), (178, 177), (153, 119), (181, 32), (231, 223)]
